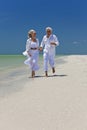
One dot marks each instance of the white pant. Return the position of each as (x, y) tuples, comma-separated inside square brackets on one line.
[(48, 58)]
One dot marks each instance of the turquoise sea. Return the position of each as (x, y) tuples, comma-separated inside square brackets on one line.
[(10, 61), (13, 66)]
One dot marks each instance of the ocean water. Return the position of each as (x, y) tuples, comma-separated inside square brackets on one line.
[(13, 66), (11, 61)]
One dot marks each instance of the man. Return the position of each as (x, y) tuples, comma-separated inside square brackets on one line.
[(49, 42)]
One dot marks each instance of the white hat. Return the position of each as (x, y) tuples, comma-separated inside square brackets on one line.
[(49, 28)]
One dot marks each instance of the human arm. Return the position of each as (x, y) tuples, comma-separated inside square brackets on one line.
[(37, 44), (28, 47), (55, 41), (42, 45)]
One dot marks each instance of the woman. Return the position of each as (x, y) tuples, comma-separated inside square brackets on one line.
[(32, 52)]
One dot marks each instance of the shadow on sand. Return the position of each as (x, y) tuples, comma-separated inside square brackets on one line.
[(40, 76)]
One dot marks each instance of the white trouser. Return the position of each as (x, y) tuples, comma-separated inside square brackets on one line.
[(48, 58)]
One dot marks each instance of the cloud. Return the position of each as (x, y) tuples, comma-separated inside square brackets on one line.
[(76, 42), (79, 42), (84, 41)]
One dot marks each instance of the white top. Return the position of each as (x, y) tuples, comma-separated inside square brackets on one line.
[(30, 44), (48, 48)]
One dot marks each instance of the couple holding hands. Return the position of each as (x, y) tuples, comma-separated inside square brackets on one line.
[(48, 44)]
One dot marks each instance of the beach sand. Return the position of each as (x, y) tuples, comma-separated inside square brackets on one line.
[(57, 102)]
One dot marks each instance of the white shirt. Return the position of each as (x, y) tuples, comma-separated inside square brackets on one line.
[(30, 44), (48, 48)]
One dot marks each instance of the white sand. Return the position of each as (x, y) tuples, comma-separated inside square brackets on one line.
[(53, 103)]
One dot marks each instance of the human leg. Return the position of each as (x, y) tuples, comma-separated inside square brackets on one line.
[(45, 57), (35, 65), (52, 63), (33, 74)]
